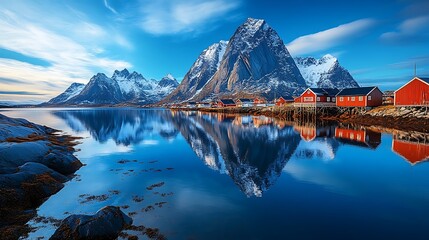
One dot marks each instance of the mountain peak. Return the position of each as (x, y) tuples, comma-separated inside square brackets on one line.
[(328, 58), (169, 76), (255, 24), (121, 74), (325, 72)]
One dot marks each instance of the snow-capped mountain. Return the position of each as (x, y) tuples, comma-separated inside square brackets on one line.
[(122, 87), (168, 81), (325, 72), (100, 90), (256, 62), (70, 92), (200, 73)]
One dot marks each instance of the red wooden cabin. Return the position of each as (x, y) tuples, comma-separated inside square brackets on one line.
[(317, 97), (413, 93), (283, 100), (259, 102), (413, 152), (360, 97), (226, 103)]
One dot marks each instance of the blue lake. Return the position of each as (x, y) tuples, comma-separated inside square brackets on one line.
[(241, 177)]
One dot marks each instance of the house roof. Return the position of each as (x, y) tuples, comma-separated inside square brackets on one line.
[(245, 100), (424, 79), (361, 91), (227, 101), (287, 98), (325, 91)]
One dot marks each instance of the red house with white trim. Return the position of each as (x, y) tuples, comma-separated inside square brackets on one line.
[(360, 97), (315, 97), (413, 93)]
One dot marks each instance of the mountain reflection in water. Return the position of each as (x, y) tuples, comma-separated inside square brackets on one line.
[(252, 150)]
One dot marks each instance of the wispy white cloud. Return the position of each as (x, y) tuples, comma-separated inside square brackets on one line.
[(410, 30), (106, 4), (69, 60), (330, 38), (181, 16)]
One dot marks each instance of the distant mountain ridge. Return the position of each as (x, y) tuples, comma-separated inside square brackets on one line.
[(325, 72), (122, 87)]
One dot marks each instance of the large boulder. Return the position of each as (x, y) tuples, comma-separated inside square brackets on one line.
[(107, 223)]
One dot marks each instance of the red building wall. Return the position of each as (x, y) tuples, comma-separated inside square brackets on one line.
[(376, 98), (414, 93), (361, 101), (307, 97)]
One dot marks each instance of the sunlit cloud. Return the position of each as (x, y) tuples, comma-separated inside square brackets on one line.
[(183, 16), (330, 38), (409, 31), (106, 4), (69, 60)]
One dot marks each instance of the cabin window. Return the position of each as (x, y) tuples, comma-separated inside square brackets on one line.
[(328, 99), (360, 98), (352, 136), (341, 99), (359, 137), (348, 98), (369, 98), (308, 99), (353, 99), (333, 99), (318, 99)]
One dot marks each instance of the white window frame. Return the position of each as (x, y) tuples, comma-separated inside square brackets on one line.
[(328, 99), (308, 99), (318, 99), (333, 99), (353, 99), (341, 99), (369, 98), (360, 98)]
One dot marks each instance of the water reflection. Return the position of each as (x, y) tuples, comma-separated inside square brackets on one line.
[(412, 147), (249, 149), (252, 150), (124, 126)]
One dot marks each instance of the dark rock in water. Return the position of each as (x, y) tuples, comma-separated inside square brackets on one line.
[(34, 164), (107, 223)]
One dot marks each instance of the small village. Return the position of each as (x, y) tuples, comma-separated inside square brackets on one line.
[(414, 93)]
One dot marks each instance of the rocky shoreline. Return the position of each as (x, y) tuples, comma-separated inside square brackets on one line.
[(35, 162), (405, 119)]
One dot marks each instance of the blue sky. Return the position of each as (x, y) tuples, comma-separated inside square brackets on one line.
[(47, 45)]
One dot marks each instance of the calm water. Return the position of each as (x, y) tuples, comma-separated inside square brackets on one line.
[(241, 177)]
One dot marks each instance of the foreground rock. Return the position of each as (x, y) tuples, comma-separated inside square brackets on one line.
[(34, 164), (107, 223)]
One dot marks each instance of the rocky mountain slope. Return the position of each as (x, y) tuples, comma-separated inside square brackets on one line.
[(70, 92), (200, 73), (325, 72)]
